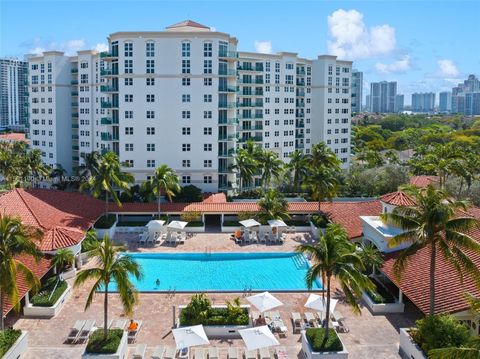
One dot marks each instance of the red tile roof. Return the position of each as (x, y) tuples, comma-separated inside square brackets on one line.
[(449, 291), (214, 198), (423, 181), (398, 198), (189, 23), (39, 268), (13, 137)]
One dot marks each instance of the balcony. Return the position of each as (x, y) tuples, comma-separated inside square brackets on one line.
[(105, 104), (300, 115), (300, 72), (300, 104), (108, 72), (74, 137), (300, 83), (74, 93), (74, 104), (229, 153), (299, 145), (227, 105), (228, 121), (257, 138), (74, 71), (74, 125), (227, 72), (106, 54), (75, 148), (250, 116), (228, 54), (231, 137), (75, 114), (105, 88), (245, 81), (105, 121), (250, 104), (300, 135), (256, 68), (252, 128), (300, 124), (105, 136), (74, 82), (231, 89), (300, 92)]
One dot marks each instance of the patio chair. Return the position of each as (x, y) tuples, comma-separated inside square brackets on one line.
[(120, 324), (311, 320), (158, 352), (184, 353), (169, 353), (281, 353), (132, 334), (338, 316), (251, 354), (265, 353), (233, 353), (86, 330), (280, 328), (75, 331), (297, 322), (199, 353), (213, 353), (140, 351)]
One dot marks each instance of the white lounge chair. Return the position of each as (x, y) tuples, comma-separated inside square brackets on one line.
[(251, 354), (109, 324), (311, 320), (75, 331), (297, 322), (184, 353), (199, 353), (132, 334), (233, 353), (265, 353), (119, 324), (140, 351), (169, 353), (281, 353), (213, 353), (86, 330), (143, 238), (158, 352)]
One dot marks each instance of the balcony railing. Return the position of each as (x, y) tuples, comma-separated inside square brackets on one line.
[(300, 135), (299, 145), (228, 121), (300, 115), (254, 139), (108, 72), (300, 104), (250, 104), (227, 72), (227, 105), (228, 54), (105, 88), (251, 116), (300, 124), (231, 137), (74, 82), (105, 104), (300, 92), (74, 93), (252, 128), (74, 71), (227, 89), (106, 121), (105, 136), (108, 54), (300, 83), (229, 153)]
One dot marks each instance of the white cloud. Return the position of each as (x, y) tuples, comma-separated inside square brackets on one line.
[(70, 47), (352, 39), (101, 47), (447, 68), (264, 47), (400, 66)]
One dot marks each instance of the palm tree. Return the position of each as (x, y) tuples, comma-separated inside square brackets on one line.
[(273, 205), (271, 167), (109, 175), (15, 239), (111, 266), (34, 165), (322, 183), (322, 155), (62, 258), (435, 223), (245, 165), (334, 256), (58, 173), (371, 257), (298, 166), (91, 163), (164, 180)]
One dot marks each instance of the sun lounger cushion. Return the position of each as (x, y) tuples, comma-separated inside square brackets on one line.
[(158, 352)]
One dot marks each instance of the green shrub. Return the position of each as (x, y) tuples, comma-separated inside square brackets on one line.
[(41, 299), (315, 337), (440, 331), (297, 223), (320, 221), (231, 224), (97, 345), (191, 216), (8, 337), (105, 221), (195, 224), (380, 295), (188, 194)]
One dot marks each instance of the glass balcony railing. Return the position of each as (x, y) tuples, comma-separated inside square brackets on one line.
[(231, 137), (300, 83), (257, 138), (299, 145), (105, 104), (229, 153), (250, 116), (227, 105), (74, 82), (300, 92), (300, 124), (228, 121), (227, 89), (106, 54), (252, 128), (74, 71), (228, 54), (108, 72), (250, 104), (300, 115), (300, 135), (105, 88), (227, 72), (106, 121), (74, 93)]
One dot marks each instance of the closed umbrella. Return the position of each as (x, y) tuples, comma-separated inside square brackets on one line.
[(258, 337), (187, 337), (264, 301)]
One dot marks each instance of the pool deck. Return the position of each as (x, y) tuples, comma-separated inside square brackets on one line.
[(369, 337)]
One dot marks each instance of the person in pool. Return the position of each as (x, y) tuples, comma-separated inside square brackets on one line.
[(157, 282)]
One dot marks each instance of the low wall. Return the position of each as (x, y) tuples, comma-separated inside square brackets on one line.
[(408, 348), (194, 229), (18, 348), (309, 354), (231, 229), (382, 308), (71, 273), (315, 230), (120, 354), (222, 331), (48, 312), (108, 231)]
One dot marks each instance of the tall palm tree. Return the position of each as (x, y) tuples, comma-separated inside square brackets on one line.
[(436, 223), (62, 258), (164, 180), (15, 239), (273, 205), (322, 183), (111, 267), (34, 165), (246, 166), (298, 166), (271, 167), (334, 256), (58, 173), (90, 165), (322, 155), (108, 177), (371, 257)]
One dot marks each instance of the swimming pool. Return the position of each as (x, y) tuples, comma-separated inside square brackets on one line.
[(203, 272)]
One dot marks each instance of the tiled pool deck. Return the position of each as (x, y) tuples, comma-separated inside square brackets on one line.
[(369, 337)]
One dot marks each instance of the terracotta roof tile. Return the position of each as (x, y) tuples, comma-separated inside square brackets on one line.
[(423, 181), (398, 198), (215, 198), (13, 137), (188, 23)]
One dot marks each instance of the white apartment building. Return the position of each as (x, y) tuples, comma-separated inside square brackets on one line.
[(13, 94), (187, 98)]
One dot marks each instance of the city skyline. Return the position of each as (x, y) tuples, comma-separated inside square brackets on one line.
[(374, 35)]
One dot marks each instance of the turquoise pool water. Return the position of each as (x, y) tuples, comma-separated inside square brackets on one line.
[(201, 272)]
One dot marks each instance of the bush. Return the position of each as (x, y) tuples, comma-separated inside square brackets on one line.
[(105, 221), (191, 216), (41, 299), (195, 224), (320, 221), (381, 295), (315, 337), (8, 337), (440, 331), (97, 345), (297, 223), (231, 224), (188, 194), (247, 215)]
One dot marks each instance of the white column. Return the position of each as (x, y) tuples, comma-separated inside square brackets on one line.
[(221, 219), (400, 296), (27, 299)]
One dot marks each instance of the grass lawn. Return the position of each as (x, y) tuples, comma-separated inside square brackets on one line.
[(7, 339), (97, 345), (315, 337)]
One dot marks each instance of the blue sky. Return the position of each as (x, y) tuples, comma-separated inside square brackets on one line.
[(424, 45)]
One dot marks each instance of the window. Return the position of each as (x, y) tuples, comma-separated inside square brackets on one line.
[(186, 131), (150, 66), (185, 163), (186, 179), (207, 179), (185, 49), (128, 98), (207, 147), (150, 147), (185, 98), (129, 147), (207, 163), (128, 163), (150, 49), (129, 66), (207, 81), (150, 163), (207, 66), (129, 130), (150, 130), (186, 81), (150, 98), (207, 98), (128, 114), (150, 81), (207, 130), (185, 147), (186, 114), (207, 49), (150, 114), (185, 66), (207, 114), (128, 81), (128, 46)]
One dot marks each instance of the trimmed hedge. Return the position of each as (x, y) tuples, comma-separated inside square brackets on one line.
[(195, 224), (231, 224), (132, 223), (216, 316), (97, 345), (297, 223), (315, 337), (8, 337), (105, 221), (41, 298)]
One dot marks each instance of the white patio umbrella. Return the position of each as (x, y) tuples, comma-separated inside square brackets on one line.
[(264, 301), (258, 337), (177, 225), (155, 225), (190, 336), (277, 223), (249, 223), (316, 302)]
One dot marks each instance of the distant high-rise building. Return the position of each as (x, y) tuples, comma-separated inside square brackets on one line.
[(399, 103), (423, 102), (382, 96), (466, 97), (367, 102), (445, 102), (13, 93), (357, 91)]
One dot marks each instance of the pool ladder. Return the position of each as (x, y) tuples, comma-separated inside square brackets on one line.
[(247, 291), (171, 291), (208, 251)]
